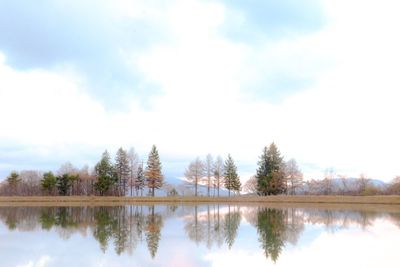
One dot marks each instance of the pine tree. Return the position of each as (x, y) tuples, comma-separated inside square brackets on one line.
[(122, 170), (232, 182), (64, 183), (153, 174), (106, 177), (48, 182), (270, 173), (13, 181), (140, 180)]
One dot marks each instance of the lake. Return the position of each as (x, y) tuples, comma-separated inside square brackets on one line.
[(203, 235)]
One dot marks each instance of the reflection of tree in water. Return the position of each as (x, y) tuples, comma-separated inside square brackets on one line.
[(105, 225), (153, 231), (126, 226), (212, 226), (231, 225), (271, 229)]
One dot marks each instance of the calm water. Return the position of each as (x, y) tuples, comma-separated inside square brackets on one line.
[(205, 235)]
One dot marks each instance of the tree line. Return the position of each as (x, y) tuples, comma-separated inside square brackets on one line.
[(127, 175)]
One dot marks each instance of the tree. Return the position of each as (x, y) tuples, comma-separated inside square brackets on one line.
[(13, 180), (122, 169), (64, 183), (194, 172), (133, 168), (270, 175), (209, 171), (153, 174), (250, 186), (232, 181), (327, 184), (140, 180), (106, 177), (48, 183), (293, 175), (218, 172)]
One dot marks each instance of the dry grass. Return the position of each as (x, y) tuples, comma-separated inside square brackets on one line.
[(95, 200)]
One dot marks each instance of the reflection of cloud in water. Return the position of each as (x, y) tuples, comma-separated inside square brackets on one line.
[(42, 262), (377, 246)]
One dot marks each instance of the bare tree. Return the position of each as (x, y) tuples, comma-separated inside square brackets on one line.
[(327, 184), (209, 171), (344, 187), (362, 184), (294, 176), (250, 186), (194, 173), (218, 173), (133, 158)]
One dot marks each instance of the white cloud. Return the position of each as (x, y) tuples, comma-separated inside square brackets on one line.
[(42, 262), (346, 118)]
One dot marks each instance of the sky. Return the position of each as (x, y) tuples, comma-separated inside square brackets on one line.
[(317, 77)]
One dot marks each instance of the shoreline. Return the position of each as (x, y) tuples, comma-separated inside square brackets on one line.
[(89, 200)]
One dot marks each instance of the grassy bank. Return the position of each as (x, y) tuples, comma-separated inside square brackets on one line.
[(95, 200)]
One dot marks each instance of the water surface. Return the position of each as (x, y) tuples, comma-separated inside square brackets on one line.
[(205, 235)]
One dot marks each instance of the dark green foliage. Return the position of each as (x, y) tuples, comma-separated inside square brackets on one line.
[(153, 174), (13, 179), (106, 176), (48, 183), (47, 219), (232, 181), (64, 183), (271, 229), (270, 173)]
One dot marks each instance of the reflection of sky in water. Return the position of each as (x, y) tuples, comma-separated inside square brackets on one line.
[(307, 238)]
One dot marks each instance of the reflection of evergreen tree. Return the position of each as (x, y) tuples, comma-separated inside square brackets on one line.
[(104, 227), (47, 219), (271, 230), (231, 225), (153, 231), (11, 222), (64, 217), (121, 231)]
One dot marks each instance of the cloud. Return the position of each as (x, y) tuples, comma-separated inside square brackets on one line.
[(92, 37), (42, 262), (324, 89)]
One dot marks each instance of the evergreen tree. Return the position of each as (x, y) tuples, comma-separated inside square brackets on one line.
[(48, 182), (140, 180), (154, 177), (13, 181), (64, 183), (106, 177), (232, 181), (122, 169), (270, 173)]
